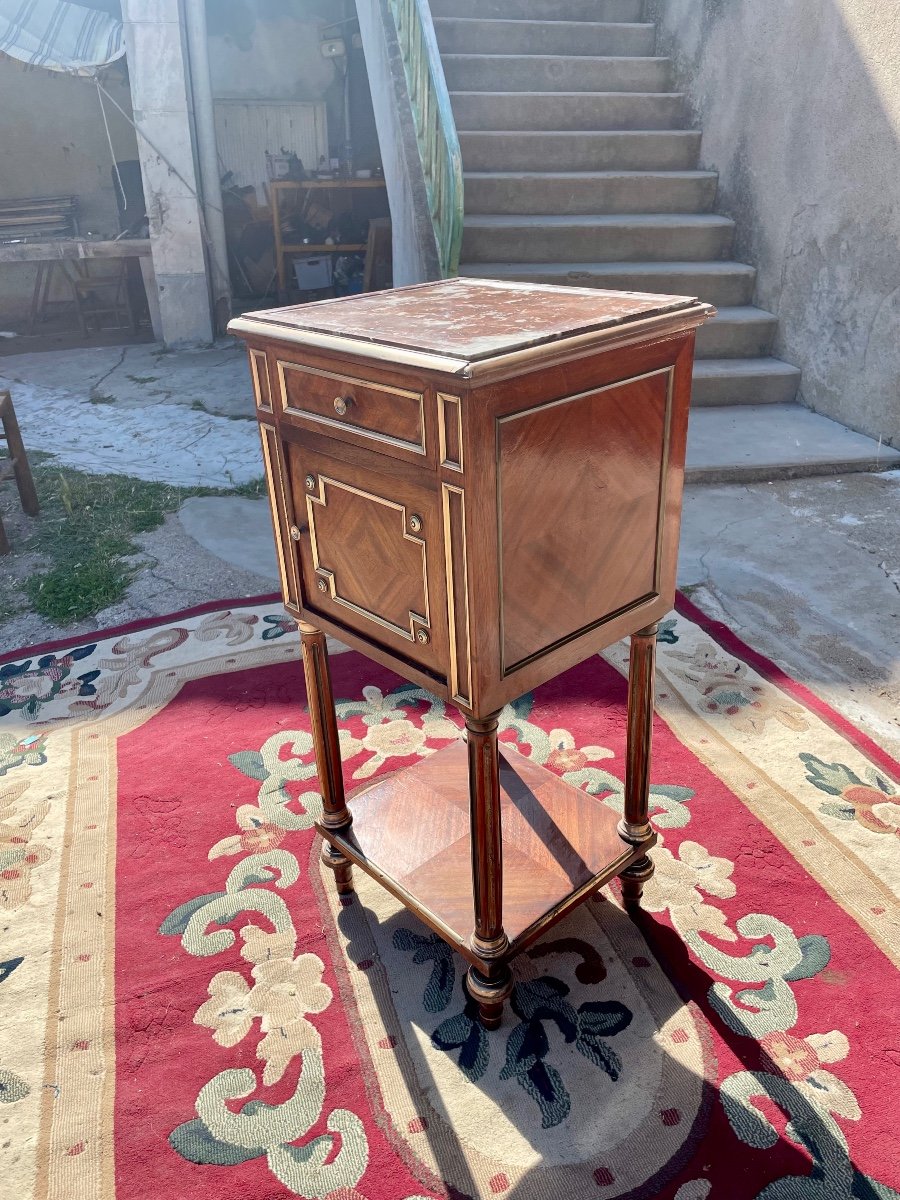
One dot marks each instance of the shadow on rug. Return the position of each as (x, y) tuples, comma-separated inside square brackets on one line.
[(188, 1009)]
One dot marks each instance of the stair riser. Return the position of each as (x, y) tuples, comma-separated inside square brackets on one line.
[(714, 392), (720, 338), (654, 194), (519, 110), (541, 10), (718, 288), (532, 37), (674, 150), (484, 73), (621, 244)]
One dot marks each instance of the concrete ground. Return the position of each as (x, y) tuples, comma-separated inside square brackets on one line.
[(185, 419), (805, 570), (808, 572)]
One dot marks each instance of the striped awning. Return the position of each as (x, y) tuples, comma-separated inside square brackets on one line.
[(59, 36)]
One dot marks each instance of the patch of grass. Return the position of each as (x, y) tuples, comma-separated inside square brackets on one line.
[(73, 590), (85, 533), (253, 490), (142, 378), (97, 397)]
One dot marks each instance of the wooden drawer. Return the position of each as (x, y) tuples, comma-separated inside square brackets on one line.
[(371, 555), (354, 408)]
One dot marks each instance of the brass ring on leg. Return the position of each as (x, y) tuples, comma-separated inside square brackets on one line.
[(342, 867), (490, 993)]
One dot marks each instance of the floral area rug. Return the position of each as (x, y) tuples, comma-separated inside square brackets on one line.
[(188, 1010)]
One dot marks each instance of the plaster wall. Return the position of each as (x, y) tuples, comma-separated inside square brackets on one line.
[(54, 144), (800, 110), (270, 50)]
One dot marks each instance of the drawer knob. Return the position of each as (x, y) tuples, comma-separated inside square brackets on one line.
[(422, 636), (310, 482), (415, 523), (322, 585), (296, 533), (342, 404)]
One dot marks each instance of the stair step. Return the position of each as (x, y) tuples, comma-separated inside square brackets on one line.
[(567, 192), (611, 238), (559, 150), (739, 332), (555, 73), (541, 10), (725, 382), (473, 35), (568, 110), (761, 442), (719, 283)]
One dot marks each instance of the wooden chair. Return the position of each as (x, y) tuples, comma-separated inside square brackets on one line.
[(104, 295), (15, 465)]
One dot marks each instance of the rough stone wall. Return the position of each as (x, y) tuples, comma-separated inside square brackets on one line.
[(800, 108)]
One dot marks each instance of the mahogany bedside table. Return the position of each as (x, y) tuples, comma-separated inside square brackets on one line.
[(478, 484)]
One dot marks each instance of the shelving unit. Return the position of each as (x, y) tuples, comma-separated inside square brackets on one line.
[(284, 250)]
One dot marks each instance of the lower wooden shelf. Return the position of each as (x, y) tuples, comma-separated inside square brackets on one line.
[(411, 832)]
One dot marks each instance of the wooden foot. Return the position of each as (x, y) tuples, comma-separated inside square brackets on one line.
[(633, 879), (342, 867), (489, 991)]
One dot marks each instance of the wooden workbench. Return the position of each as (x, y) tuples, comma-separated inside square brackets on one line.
[(54, 251)]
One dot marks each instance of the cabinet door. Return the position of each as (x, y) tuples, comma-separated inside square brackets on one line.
[(371, 556)]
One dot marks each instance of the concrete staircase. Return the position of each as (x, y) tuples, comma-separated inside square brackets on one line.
[(579, 170)]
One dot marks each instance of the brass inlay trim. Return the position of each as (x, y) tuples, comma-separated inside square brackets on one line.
[(255, 356), (663, 479), (361, 430), (287, 504), (592, 625), (446, 403), (328, 575), (464, 696), (276, 494)]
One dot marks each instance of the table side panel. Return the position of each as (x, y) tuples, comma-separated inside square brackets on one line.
[(548, 603), (585, 544)]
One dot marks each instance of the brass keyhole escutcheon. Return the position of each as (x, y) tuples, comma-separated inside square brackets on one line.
[(322, 585), (296, 533), (422, 637), (342, 404), (310, 482), (415, 523)]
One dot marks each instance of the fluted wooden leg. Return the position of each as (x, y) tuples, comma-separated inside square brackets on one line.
[(490, 982), (634, 827), (327, 746)]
